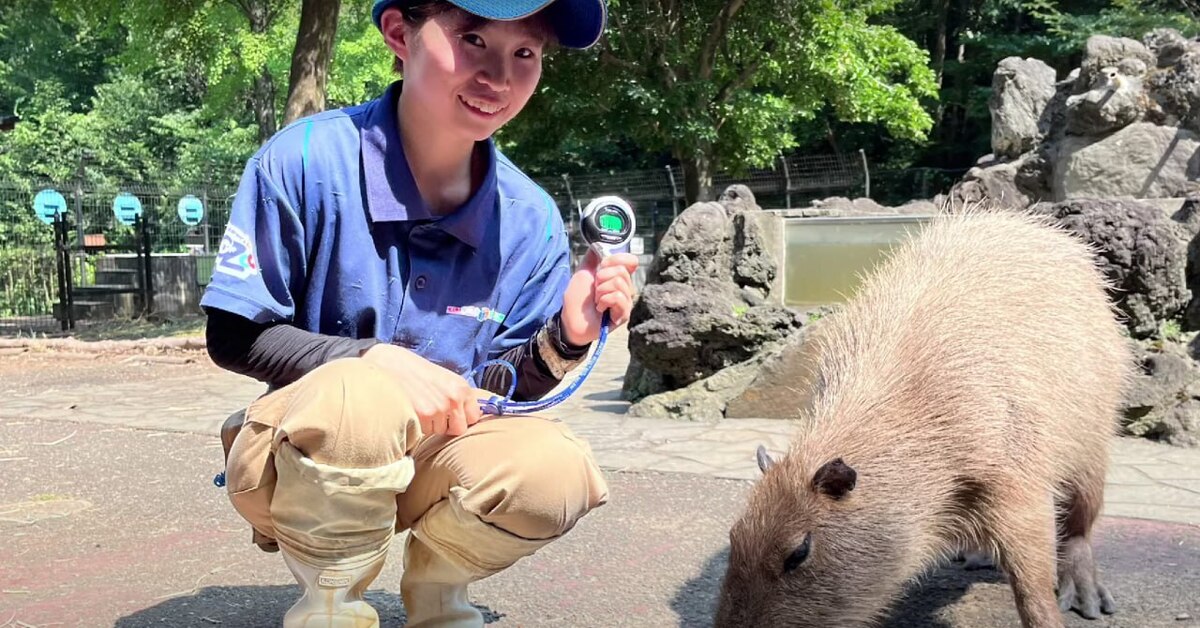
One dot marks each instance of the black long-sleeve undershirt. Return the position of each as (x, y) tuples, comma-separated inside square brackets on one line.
[(278, 354)]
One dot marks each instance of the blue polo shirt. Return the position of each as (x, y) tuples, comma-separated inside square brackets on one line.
[(328, 232)]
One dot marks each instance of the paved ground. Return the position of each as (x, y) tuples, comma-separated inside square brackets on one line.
[(91, 538)]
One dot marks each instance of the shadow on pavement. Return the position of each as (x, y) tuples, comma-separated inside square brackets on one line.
[(253, 606), (924, 601), (696, 600), (1152, 568)]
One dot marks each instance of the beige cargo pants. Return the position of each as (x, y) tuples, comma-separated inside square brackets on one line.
[(526, 478)]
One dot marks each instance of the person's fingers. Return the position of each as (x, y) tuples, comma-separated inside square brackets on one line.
[(621, 282), (456, 422), (426, 424), (618, 304), (608, 271), (438, 423), (626, 261), (471, 410), (425, 405)]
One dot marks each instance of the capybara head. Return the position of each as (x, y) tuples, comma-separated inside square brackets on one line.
[(808, 550)]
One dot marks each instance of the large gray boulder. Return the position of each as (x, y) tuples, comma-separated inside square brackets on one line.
[(780, 386), (1101, 52), (1164, 401), (706, 305), (1142, 252), (1115, 101), (1175, 87), (1142, 160), (708, 399), (685, 332), (1167, 45), (1125, 124), (843, 206), (1021, 89), (1015, 183)]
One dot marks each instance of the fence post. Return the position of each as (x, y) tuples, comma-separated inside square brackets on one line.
[(59, 273), (787, 181), (866, 171), (80, 175), (674, 194), (147, 261), (62, 252), (207, 212)]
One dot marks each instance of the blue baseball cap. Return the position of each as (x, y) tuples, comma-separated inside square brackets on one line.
[(577, 23)]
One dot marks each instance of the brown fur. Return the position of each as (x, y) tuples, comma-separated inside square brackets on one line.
[(973, 384)]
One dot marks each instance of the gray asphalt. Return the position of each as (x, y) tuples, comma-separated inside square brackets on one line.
[(112, 526)]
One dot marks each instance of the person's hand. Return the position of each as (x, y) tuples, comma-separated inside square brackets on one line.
[(444, 401), (597, 286)]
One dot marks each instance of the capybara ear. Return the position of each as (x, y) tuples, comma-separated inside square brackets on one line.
[(835, 478), (764, 459)]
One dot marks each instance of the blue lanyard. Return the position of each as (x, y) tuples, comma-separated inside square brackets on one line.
[(501, 406)]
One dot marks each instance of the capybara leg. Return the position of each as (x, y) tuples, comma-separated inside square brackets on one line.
[(1079, 589), (976, 559), (1023, 528)]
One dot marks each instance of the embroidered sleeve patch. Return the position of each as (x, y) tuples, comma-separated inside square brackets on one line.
[(478, 313), (236, 256)]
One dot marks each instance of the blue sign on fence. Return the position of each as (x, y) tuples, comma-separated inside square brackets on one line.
[(191, 210), (47, 204), (127, 208)]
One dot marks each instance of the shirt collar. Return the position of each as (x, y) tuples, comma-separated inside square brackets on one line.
[(391, 191)]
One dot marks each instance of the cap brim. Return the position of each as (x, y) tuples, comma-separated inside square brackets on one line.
[(577, 23)]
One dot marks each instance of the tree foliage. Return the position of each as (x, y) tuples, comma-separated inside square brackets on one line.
[(720, 83), (141, 91)]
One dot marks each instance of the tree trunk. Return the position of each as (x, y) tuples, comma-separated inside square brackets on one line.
[(697, 177), (939, 41), (263, 101), (262, 97), (310, 59), (939, 59)]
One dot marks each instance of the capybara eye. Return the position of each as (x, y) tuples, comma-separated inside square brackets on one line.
[(798, 555)]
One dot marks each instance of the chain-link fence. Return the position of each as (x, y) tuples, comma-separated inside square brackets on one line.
[(28, 278), (80, 252), (118, 241)]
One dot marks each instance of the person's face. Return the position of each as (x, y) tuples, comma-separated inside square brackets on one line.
[(466, 78)]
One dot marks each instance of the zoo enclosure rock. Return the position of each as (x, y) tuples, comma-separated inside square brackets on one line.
[(707, 304), (1124, 124), (1164, 402), (1021, 88), (1141, 251)]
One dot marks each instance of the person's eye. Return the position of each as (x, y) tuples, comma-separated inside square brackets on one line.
[(473, 39), (526, 53)]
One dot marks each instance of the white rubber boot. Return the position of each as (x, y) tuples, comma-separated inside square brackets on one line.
[(448, 549), (334, 528), (333, 594), (435, 590)]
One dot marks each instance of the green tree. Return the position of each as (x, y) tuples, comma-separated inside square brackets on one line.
[(719, 83)]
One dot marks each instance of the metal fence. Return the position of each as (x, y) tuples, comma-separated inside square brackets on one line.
[(101, 237), (76, 252)]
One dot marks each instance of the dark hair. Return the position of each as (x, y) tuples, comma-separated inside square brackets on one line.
[(417, 12)]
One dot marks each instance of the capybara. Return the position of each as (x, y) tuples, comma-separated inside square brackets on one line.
[(965, 397)]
